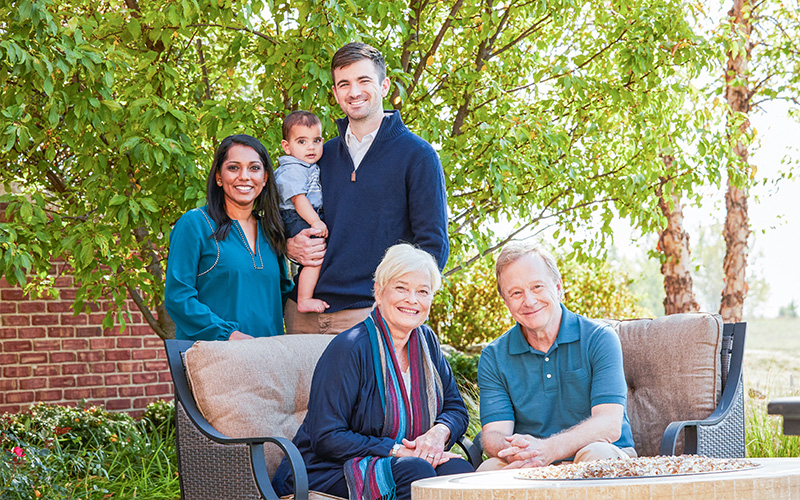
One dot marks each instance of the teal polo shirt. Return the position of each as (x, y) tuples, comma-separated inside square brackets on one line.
[(547, 392)]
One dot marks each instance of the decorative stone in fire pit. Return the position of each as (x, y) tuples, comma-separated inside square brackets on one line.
[(770, 479), (637, 467)]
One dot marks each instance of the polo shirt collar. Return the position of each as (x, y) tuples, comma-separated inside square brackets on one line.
[(568, 331)]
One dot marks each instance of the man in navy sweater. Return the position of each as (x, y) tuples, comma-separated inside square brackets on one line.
[(381, 184)]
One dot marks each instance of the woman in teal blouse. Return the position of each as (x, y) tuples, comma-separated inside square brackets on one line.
[(226, 275)]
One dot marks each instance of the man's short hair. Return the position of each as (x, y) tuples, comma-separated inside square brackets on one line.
[(354, 52), (515, 251), (295, 118)]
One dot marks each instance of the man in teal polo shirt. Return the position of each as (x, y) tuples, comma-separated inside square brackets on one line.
[(553, 386)]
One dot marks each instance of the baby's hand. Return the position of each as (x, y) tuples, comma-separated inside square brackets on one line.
[(322, 227)]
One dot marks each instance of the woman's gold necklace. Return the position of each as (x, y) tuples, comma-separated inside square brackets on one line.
[(247, 245)]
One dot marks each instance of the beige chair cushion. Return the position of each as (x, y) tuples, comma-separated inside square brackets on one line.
[(673, 371), (255, 388)]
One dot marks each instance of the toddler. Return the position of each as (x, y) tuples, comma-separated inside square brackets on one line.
[(301, 196)]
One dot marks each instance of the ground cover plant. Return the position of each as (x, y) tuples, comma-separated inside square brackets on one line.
[(85, 452)]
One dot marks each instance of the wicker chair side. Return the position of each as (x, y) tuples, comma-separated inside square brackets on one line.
[(209, 470), (726, 438)]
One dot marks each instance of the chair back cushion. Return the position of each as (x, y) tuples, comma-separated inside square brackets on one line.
[(673, 371), (255, 388)]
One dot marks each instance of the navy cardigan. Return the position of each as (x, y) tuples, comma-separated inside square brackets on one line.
[(345, 413)]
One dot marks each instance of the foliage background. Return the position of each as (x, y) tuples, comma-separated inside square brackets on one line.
[(552, 115)]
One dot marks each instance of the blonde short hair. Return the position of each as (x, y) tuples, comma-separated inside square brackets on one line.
[(515, 251), (405, 258)]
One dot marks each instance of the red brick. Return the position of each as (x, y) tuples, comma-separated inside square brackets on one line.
[(129, 343), (136, 317), (31, 333), (129, 366), (62, 382), (47, 370), (75, 369), (120, 379), (30, 358), (155, 390), (144, 331), (12, 294), (90, 380), (14, 409), (89, 356), (49, 395), (59, 307), (156, 366), (116, 331), (103, 367), (8, 384), (101, 343), (96, 318), (64, 282), (17, 345), (144, 378), (129, 392), (45, 319), (117, 355), (32, 307), (153, 341), (61, 331), (143, 402), (145, 354), (20, 397), (74, 344), (165, 377), (69, 319), (17, 371), (9, 359), (8, 307), (62, 357), (89, 331), (15, 320), (8, 333), (118, 404), (46, 345), (76, 394), (104, 392), (33, 383), (69, 294)]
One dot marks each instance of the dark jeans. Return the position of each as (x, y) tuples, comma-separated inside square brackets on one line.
[(406, 470)]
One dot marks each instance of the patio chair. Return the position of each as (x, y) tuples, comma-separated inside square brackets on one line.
[(237, 406), (685, 390)]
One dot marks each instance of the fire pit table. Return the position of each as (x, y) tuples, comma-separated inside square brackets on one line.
[(772, 479)]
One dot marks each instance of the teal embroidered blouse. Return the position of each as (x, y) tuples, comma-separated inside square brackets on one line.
[(214, 288)]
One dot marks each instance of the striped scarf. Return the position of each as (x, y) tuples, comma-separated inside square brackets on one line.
[(370, 478)]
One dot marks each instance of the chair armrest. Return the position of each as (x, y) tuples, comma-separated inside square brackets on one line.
[(295, 461), (473, 450)]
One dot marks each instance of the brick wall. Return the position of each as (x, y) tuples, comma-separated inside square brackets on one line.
[(49, 355)]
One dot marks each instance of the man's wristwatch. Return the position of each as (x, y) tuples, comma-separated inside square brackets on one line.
[(395, 449)]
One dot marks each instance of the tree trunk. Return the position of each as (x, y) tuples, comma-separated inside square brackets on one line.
[(673, 241), (737, 227)]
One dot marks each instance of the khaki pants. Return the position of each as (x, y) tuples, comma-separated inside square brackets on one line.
[(592, 451), (326, 323)]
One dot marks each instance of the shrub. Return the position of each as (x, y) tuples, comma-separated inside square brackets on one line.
[(87, 453)]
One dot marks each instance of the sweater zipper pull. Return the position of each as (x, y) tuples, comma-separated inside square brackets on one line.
[(353, 176)]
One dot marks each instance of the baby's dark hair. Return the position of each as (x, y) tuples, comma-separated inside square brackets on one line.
[(304, 118)]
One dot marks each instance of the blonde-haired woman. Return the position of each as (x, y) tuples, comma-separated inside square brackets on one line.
[(384, 407)]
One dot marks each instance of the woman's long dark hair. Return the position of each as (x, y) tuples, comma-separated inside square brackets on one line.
[(265, 206)]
